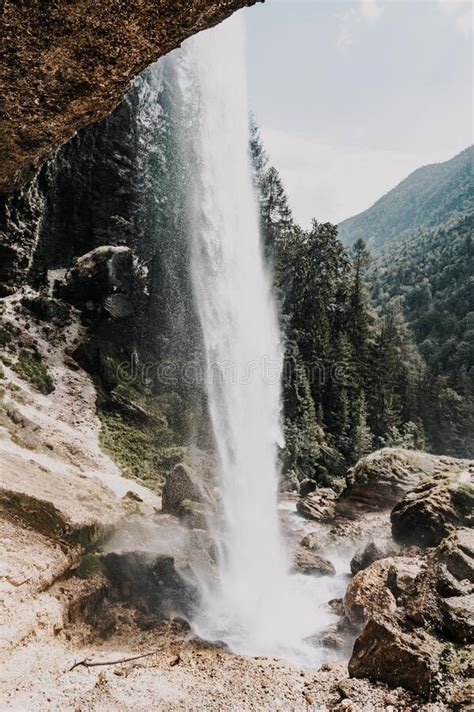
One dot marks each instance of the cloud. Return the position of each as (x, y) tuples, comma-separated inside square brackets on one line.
[(462, 13), (366, 12), (331, 182)]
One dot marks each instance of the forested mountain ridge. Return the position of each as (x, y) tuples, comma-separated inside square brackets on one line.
[(427, 198), (379, 350)]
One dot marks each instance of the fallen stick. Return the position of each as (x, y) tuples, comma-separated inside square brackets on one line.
[(87, 664)]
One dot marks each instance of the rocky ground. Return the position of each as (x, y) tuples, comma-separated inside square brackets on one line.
[(93, 567)]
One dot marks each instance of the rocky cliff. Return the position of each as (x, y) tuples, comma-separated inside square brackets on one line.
[(66, 64)]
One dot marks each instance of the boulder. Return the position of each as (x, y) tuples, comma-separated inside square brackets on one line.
[(431, 511), (105, 277), (181, 484), (372, 551), (289, 482), (311, 541), (319, 506), (381, 479), (307, 562), (458, 618), (368, 595), (386, 652), (149, 582), (456, 552)]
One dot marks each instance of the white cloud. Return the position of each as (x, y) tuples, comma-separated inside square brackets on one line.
[(367, 12), (462, 13), (331, 182)]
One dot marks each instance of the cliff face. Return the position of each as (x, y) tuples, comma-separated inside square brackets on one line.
[(67, 64)]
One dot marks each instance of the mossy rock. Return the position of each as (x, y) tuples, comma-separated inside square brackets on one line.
[(89, 566)]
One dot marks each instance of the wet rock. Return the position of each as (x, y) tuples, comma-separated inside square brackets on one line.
[(385, 652), (307, 562), (319, 506), (289, 482), (381, 479), (372, 551), (181, 484), (311, 541), (431, 511), (193, 514), (306, 487), (150, 583), (104, 271), (368, 595)]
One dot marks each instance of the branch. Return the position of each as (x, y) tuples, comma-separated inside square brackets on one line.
[(87, 664)]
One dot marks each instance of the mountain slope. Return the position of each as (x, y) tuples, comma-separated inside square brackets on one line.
[(427, 198)]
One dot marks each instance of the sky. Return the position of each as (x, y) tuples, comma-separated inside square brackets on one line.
[(352, 96)]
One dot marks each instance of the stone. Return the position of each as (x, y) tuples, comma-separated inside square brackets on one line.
[(458, 617), (309, 563), (106, 270), (319, 506), (431, 511), (381, 479), (386, 652), (372, 551), (66, 66), (289, 482), (181, 484), (456, 552), (149, 582), (367, 594)]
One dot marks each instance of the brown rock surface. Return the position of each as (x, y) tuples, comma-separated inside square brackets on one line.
[(431, 511), (367, 593), (65, 65), (307, 562), (387, 653), (319, 506), (381, 479)]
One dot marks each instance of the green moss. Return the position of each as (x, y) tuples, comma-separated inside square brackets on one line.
[(89, 566), (31, 368), (144, 451)]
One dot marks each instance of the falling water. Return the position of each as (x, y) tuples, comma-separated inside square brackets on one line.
[(256, 606)]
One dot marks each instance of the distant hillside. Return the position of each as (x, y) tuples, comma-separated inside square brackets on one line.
[(427, 198)]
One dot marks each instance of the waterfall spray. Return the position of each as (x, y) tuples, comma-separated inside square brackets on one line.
[(255, 606)]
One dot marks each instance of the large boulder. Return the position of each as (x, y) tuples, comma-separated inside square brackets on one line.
[(182, 491), (367, 593), (151, 583), (319, 506), (376, 590), (308, 562), (431, 511), (66, 65), (387, 652), (106, 276), (372, 551), (381, 479)]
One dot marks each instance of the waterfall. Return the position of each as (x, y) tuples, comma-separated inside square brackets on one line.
[(254, 605)]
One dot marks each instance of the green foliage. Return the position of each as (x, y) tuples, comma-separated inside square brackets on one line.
[(425, 199), (144, 451), (31, 368), (354, 378)]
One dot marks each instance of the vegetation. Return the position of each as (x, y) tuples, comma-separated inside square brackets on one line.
[(354, 377), (31, 368)]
